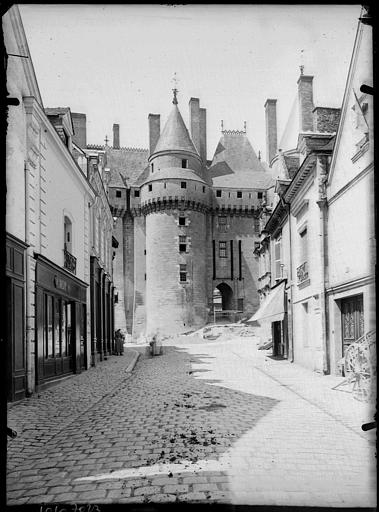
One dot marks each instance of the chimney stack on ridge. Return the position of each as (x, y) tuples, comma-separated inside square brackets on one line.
[(116, 136), (305, 91), (198, 127), (154, 131), (271, 130)]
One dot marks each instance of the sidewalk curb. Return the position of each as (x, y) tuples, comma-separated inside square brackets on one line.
[(133, 362)]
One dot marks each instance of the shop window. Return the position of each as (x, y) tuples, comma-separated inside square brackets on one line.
[(222, 249), (239, 194), (118, 193), (49, 332), (69, 329), (183, 273), (57, 328), (218, 193)]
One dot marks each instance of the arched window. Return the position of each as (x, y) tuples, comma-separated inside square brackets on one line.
[(68, 234)]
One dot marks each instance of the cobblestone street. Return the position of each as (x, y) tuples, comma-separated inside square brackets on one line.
[(217, 421)]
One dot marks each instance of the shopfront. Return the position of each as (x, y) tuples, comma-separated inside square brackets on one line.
[(102, 322), (60, 322)]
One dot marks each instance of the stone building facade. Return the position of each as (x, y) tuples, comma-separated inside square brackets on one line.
[(319, 238), (186, 226), (55, 193)]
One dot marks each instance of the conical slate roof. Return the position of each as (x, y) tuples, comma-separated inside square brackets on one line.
[(236, 165), (175, 135)]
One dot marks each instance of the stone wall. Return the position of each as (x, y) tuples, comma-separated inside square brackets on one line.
[(174, 306)]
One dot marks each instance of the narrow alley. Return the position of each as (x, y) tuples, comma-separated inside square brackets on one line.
[(212, 421)]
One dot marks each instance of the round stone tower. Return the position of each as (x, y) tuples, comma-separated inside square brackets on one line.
[(175, 199)]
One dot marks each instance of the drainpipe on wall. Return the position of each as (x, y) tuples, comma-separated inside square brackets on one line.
[(322, 203), (290, 337), (29, 330)]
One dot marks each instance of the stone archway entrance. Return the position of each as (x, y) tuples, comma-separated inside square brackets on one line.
[(226, 296), (222, 302)]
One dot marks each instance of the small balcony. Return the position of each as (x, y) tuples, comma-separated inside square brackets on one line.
[(69, 261), (302, 273)]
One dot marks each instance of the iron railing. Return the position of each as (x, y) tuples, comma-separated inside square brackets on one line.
[(69, 261)]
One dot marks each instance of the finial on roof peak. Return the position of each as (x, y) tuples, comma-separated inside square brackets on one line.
[(175, 99), (106, 140), (175, 89), (222, 125), (302, 69)]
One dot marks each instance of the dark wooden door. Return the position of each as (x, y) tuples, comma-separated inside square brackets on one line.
[(277, 339), (16, 350), (352, 320)]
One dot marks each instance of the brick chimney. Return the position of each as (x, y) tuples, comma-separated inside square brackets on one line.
[(194, 108), (203, 135), (305, 91), (271, 129), (80, 128), (198, 126), (154, 131), (116, 136)]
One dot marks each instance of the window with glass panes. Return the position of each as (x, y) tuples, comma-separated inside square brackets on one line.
[(277, 257), (183, 273), (182, 243), (222, 249)]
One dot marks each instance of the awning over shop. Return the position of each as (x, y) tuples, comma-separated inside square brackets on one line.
[(272, 308)]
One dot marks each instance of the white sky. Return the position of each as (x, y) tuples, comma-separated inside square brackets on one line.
[(115, 63)]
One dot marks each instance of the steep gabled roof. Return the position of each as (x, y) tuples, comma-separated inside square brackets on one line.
[(236, 165), (115, 179), (130, 162), (175, 135)]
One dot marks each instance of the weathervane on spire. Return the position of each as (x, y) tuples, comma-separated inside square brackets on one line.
[(301, 62), (175, 89)]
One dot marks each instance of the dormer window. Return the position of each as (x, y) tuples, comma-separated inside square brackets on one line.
[(182, 221), (136, 193), (184, 163), (183, 184), (260, 195), (239, 194)]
